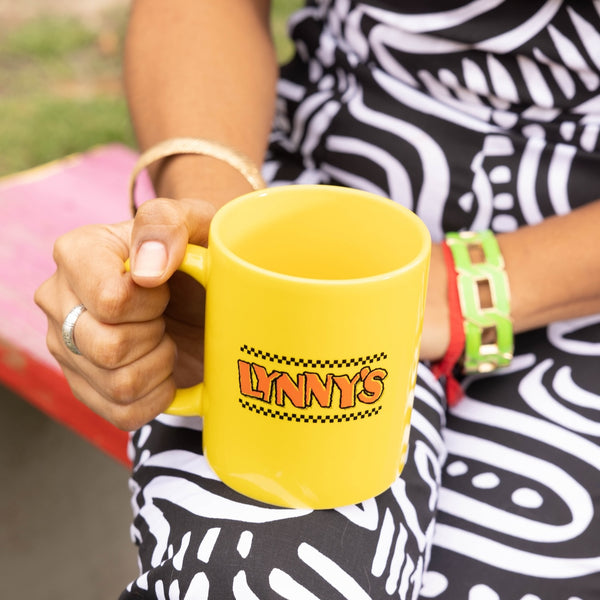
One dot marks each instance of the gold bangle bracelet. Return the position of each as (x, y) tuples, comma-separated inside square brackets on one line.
[(174, 146)]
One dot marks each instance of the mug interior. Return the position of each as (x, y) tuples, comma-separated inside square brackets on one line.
[(320, 232)]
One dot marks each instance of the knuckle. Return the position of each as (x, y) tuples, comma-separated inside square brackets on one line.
[(40, 296), (109, 302), (162, 211), (109, 354), (65, 244), (61, 248), (124, 386), (134, 416), (125, 418)]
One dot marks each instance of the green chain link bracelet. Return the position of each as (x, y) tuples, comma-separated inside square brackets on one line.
[(489, 340)]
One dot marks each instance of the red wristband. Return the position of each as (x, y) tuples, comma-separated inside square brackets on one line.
[(445, 367)]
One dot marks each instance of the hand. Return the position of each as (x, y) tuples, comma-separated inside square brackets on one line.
[(140, 336)]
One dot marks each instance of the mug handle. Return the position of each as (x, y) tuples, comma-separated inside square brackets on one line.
[(188, 401)]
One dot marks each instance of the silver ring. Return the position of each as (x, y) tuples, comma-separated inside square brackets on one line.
[(68, 328)]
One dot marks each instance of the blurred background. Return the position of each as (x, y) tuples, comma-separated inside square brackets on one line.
[(64, 506), (60, 76)]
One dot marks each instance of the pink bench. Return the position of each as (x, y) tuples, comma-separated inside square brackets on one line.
[(36, 207)]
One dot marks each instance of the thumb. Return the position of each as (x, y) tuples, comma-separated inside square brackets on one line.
[(161, 231)]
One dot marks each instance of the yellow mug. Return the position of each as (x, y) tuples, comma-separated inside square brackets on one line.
[(314, 310)]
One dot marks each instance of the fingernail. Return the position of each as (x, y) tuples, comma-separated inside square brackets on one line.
[(150, 260)]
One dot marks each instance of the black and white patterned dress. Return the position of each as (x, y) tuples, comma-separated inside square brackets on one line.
[(475, 114)]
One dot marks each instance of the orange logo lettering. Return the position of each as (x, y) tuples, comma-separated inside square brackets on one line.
[(366, 386)]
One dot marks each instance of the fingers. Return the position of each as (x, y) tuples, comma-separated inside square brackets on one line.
[(125, 369), (124, 372), (91, 271), (161, 231), (128, 396), (108, 346)]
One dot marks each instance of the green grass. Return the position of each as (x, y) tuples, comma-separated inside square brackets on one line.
[(279, 15), (60, 86), (46, 38), (42, 128)]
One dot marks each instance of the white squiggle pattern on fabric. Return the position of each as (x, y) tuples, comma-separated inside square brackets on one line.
[(541, 400), (511, 559), (196, 500), (569, 391), (554, 423), (199, 588), (384, 544), (434, 163), (558, 335), (531, 427), (365, 514), (396, 173), (461, 98), (329, 570), (241, 589), (574, 495)]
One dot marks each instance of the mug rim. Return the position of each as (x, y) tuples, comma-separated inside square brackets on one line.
[(221, 214)]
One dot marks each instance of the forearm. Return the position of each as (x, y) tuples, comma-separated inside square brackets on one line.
[(554, 268), (204, 69)]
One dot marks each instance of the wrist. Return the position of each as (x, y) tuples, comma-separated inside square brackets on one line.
[(185, 167), (481, 333), (484, 300), (445, 366), (436, 323), (196, 176)]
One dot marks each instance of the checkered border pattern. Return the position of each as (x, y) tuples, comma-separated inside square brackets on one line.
[(285, 416), (322, 364)]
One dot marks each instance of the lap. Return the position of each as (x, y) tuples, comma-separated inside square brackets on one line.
[(516, 515), (202, 539)]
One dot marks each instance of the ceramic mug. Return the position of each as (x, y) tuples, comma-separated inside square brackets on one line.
[(314, 310)]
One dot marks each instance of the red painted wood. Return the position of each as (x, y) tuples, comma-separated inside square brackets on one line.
[(36, 207)]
